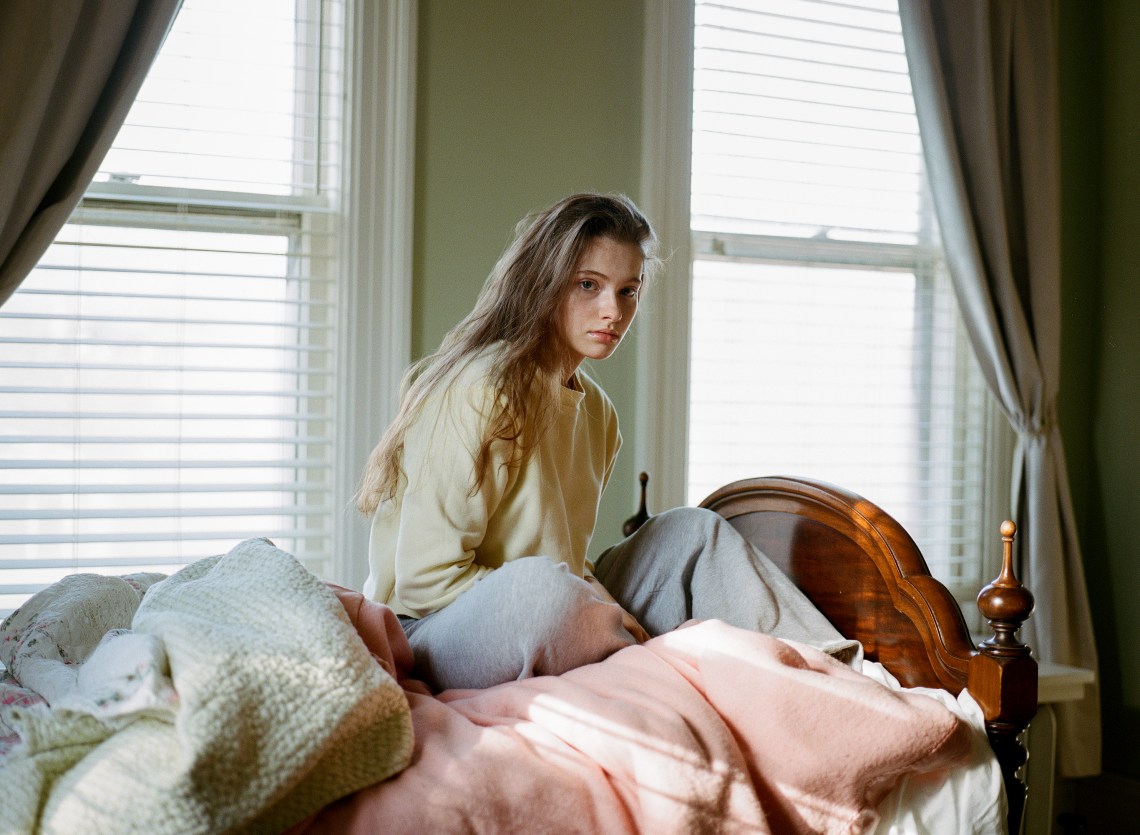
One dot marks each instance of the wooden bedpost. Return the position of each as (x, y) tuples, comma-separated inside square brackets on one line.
[(642, 516), (1003, 675)]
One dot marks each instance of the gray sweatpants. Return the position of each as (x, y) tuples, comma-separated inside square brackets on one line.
[(533, 617)]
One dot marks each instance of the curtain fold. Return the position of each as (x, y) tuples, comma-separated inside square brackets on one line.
[(985, 89), (71, 70)]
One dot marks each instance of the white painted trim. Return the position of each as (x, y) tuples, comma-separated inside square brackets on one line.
[(375, 301), (660, 436)]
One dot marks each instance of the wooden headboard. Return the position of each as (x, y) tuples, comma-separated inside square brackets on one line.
[(861, 569), (865, 573)]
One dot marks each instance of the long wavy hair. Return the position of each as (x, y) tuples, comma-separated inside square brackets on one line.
[(518, 306)]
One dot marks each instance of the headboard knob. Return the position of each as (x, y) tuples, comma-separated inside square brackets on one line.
[(638, 519), (1005, 602)]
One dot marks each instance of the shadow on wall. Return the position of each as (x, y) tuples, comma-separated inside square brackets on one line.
[(1103, 804)]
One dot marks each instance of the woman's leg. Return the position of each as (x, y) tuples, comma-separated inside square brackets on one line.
[(530, 617), (690, 563)]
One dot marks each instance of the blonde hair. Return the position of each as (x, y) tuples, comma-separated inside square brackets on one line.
[(518, 306)]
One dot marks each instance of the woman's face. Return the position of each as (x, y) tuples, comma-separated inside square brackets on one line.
[(602, 300)]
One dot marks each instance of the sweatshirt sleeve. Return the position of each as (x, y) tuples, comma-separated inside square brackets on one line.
[(441, 523)]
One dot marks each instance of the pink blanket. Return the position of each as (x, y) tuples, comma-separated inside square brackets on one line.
[(708, 728)]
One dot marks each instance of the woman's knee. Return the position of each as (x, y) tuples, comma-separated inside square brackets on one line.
[(537, 573), (563, 624), (548, 592), (660, 558), (695, 520), (676, 534)]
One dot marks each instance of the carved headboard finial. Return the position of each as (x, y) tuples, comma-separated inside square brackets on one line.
[(1005, 603), (638, 519)]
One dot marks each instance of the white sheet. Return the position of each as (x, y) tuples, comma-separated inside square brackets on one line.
[(969, 800)]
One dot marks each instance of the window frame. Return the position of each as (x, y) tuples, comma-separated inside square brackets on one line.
[(376, 305), (374, 207), (663, 338)]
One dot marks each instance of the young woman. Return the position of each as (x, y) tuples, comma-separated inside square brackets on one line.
[(484, 491)]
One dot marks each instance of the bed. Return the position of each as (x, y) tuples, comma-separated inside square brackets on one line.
[(274, 701), (865, 573)]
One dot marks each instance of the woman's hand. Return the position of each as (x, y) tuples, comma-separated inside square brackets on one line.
[(627, 620), (633, 627)]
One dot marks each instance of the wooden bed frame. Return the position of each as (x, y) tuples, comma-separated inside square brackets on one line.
[(865, 573)]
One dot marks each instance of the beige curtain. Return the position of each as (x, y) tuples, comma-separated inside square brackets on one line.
[(985, 88), (69, 71)]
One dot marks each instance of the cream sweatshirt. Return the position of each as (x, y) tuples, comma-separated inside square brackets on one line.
[(434, 539)]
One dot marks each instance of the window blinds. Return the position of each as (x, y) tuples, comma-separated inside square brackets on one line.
[(166, 371), (825, 337), (804, 122)]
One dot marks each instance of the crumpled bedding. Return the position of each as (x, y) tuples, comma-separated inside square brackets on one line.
[(705, 729), (968, 799), (72, 647), (234, 695)]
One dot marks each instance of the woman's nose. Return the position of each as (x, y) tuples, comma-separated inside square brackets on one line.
[(611, 310)]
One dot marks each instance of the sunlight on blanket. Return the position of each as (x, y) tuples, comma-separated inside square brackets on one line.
[(707, 727)]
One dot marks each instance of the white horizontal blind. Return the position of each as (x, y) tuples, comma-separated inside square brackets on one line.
[(234, 101), (825, 337), (166, 371)]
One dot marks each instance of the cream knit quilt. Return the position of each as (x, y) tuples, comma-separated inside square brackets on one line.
[(235, 696)]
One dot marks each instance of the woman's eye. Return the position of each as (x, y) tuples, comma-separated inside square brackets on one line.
[(587, 284), (630, 292)]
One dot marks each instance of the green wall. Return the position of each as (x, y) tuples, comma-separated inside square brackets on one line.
[(1100, 387), (1117, 427), (518, 105)]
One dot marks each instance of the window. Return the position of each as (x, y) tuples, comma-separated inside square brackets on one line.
[(173, 369), (825, 339)]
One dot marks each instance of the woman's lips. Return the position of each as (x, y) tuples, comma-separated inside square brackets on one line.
[(609, 337)]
